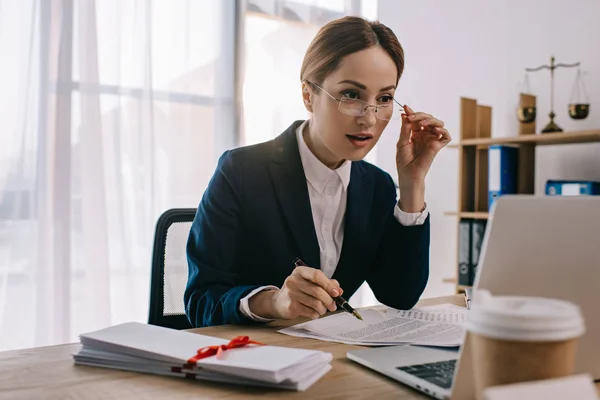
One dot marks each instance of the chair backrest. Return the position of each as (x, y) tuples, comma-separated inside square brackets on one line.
[(170, 269)]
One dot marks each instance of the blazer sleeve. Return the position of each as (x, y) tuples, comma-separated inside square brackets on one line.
[(211, 296), (401, 268)]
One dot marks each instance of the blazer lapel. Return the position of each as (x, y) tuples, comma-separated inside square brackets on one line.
[(290, 186)]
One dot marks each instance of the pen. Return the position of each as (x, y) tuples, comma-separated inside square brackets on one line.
[(339, 300)]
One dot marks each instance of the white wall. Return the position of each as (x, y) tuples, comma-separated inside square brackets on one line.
[(479, 49)]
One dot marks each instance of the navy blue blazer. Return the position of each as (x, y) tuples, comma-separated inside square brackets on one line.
[(255, 218)]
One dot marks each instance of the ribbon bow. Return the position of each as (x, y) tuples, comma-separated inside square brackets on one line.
[(210, 351)]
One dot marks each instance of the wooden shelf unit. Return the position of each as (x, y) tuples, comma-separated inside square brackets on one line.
[(546, 139), (476, 137), (474, 215)]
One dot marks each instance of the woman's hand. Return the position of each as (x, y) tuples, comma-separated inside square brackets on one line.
[(306, 292), (421, 137)]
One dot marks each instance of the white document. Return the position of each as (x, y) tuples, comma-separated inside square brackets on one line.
[(441, 307), (153, 349), (435, 326)]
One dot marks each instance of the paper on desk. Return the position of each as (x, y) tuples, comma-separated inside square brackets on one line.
[(439, 325), (439, 307), (154, 349)]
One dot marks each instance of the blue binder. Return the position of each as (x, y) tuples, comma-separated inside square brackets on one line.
[(502, 171), (572, 188)]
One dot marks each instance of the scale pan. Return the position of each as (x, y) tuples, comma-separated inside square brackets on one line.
[(579, 110), (526, 114)]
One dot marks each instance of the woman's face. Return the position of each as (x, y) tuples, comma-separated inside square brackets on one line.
[(369, 75)]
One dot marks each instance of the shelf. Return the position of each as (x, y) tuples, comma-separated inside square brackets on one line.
[(474, 136), (537, 139), (474, 215)]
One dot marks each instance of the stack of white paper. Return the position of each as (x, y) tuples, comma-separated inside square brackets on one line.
[(441, 325), (152, 349)]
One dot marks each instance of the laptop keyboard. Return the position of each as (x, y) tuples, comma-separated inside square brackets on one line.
[(439, 373)]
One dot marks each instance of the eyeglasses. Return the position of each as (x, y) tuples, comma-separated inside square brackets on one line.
[(359, 108)]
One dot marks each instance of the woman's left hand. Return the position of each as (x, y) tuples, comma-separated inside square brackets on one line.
[(421, 137)]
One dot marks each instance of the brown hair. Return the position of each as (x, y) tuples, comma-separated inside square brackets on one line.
[(345, 36)]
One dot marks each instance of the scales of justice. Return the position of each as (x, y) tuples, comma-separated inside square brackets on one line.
[(579, 106)]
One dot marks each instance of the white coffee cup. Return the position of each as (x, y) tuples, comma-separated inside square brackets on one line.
[(518, 339)]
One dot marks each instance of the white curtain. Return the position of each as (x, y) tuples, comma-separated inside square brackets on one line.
[(109, 113), (113, 111)]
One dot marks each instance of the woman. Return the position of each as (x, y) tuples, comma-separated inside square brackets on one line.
[(307, 194)]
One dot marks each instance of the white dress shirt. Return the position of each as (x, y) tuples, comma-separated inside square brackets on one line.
[(328, 190)]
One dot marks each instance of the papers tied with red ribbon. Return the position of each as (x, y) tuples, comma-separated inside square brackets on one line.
[(135, 346), (209, 351)]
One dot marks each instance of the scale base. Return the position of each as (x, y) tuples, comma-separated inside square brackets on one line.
[(551, 127)]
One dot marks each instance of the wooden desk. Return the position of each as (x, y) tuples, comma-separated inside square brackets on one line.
[(49, 373)]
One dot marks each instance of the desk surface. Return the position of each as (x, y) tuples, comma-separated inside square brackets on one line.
[(49, 373)]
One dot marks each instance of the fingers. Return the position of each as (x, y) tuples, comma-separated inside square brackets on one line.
[(311, 288), (431, 123), (440, 136), (444, 135), (423, 119), (299, 309), (319, 297), (405, 131), (317, 277), (311, 302), (423, 122), (338, 285), (297, 283), (414, 116), (409, 111)]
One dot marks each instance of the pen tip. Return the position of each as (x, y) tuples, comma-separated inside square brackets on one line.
[(357, 315)]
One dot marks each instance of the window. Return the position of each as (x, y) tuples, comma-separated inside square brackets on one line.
[(113, 112), (117, 111)]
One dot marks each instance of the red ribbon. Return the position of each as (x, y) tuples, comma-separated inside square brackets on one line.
[(210, 351)]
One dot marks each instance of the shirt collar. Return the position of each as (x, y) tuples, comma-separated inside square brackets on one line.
[(317, 173)]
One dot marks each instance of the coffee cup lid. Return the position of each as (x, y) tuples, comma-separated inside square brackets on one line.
[(522, 318)]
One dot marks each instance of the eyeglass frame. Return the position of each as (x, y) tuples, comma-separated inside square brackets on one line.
[(366, 105)]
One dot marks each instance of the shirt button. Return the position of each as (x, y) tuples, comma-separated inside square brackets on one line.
[(326, 228), (331, 191)]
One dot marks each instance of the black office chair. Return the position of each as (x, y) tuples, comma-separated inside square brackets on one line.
[(169, 269)]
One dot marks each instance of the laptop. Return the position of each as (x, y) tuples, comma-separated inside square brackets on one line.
[(533, 246)]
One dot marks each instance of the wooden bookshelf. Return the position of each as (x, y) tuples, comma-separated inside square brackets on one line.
[(459, 288), (475, 139), (546, 139), (474, 215)]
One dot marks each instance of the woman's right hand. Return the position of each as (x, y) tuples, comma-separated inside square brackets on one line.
[(306, 292)]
